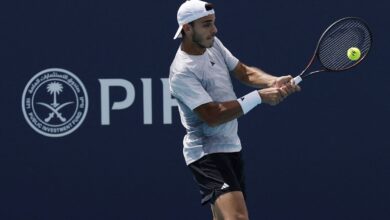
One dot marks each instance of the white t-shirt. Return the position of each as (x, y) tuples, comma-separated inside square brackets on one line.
[(196, 80)]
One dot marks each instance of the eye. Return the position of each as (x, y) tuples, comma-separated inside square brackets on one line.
[(207, 25)]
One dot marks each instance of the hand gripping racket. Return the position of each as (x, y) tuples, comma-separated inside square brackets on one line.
[(343, 45)]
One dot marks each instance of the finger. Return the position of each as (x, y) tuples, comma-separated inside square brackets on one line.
[(280, 81), (282, 92), (289, 88), (292, 82), (285, 79), (274, 99), (292, 87), (296, 88)]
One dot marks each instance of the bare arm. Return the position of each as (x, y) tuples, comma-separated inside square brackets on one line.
[(253, 76), (216, 113), (274, 90), (257, 78)]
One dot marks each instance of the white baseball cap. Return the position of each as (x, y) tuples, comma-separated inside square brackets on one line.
[(190, 11)]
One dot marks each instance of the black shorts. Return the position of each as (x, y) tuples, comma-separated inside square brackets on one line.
[(217, 174)]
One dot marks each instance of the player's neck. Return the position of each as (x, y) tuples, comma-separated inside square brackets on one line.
[(191, 48)]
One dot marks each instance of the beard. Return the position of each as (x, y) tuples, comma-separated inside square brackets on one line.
[(201, 42)]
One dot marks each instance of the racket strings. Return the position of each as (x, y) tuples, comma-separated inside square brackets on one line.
[(336, 41)]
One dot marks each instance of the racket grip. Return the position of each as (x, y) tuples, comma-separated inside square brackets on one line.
[(297, 80)]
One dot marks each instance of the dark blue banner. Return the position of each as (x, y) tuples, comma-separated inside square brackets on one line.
[(90, 130)]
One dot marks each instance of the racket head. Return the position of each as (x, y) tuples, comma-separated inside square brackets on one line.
[(340, 36)]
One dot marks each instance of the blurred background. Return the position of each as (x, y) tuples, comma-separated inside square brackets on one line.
[(321, 154)]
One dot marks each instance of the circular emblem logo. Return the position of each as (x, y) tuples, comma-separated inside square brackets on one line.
[(55, 102)]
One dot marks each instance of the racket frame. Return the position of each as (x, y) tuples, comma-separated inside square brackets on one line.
[(322, 68)]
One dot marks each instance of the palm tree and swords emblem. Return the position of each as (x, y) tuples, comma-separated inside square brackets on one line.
[(54, 88)]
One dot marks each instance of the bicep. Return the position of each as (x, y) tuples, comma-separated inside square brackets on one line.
[(240, 72)]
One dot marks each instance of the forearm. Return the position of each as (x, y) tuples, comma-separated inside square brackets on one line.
[(254, 77), (216, 113), (260, 79)]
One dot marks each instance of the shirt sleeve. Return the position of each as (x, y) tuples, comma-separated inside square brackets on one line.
[(188, 89), (230, 60)]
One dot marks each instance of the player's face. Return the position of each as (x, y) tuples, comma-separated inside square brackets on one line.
[(204, 30)]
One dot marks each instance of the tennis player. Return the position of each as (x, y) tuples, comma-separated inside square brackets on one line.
[(200, 80)]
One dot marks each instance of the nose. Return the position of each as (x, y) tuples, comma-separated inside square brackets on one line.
[(214, 30)]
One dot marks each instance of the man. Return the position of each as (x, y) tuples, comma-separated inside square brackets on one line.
[(200, 80)]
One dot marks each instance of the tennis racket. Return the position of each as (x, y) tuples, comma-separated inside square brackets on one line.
[(343, 45)]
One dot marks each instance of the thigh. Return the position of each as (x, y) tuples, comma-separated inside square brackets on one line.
[(217, 174), (217, 215), (230, 205)]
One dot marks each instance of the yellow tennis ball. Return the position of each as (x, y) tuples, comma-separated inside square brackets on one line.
[(354, 53)]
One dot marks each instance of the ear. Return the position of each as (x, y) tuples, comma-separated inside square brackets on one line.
[(187, 28)]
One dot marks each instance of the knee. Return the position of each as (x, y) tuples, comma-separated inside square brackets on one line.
[(241, 217), (238, 216)]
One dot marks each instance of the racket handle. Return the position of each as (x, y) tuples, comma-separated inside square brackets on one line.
[(297, 80)]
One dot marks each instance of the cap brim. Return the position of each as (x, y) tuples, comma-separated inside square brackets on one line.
[(178, 32)]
